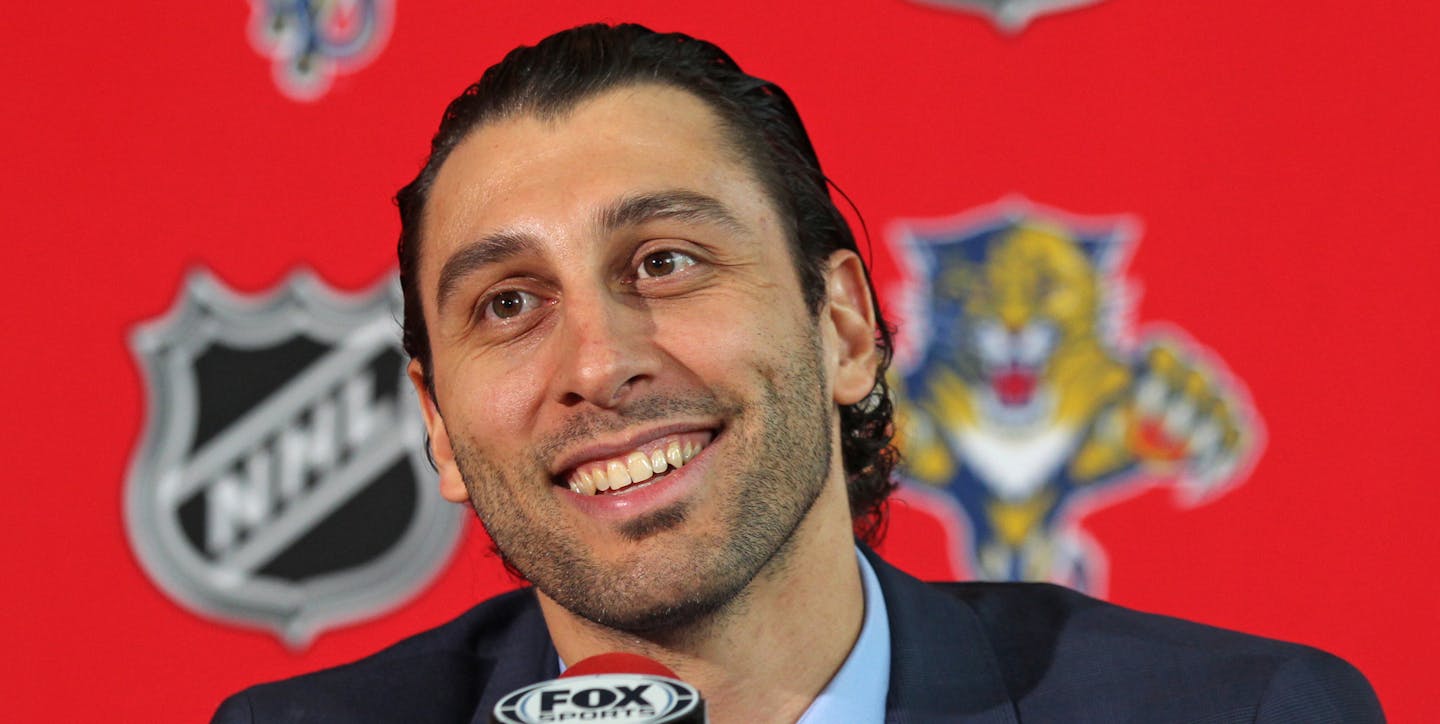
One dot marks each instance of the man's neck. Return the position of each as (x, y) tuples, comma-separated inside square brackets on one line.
[(767, 655)]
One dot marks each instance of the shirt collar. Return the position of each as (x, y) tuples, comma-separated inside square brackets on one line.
[(857, 691)]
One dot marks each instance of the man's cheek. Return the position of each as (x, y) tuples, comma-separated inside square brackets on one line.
[(498, 406), (707, 336)]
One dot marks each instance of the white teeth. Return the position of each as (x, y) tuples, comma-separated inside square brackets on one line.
[(617, 476), (636, 467), (639, 467)]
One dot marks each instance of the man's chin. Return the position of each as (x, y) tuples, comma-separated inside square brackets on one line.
[(658, 588), (660, 618)]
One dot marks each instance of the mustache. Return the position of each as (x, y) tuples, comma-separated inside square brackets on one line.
[(654, 408)]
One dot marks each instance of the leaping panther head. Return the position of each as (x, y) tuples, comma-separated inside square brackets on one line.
[(1009, 305)]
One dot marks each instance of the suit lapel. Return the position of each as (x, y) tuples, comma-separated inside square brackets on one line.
[(525, 656), (942, 667)]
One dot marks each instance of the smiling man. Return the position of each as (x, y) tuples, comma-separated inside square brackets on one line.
[(649, 357)]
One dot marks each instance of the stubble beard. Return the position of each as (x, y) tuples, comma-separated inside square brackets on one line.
[(779, 453)]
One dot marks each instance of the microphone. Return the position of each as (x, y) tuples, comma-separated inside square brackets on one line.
[(606, 688)]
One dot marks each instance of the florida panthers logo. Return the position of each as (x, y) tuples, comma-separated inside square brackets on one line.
[(310, 41), (1028, 400)]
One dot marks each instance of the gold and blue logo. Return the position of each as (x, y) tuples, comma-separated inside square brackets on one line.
[(1028, 398)]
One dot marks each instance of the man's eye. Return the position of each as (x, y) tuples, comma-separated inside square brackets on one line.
[(663, 263), (508, 304)]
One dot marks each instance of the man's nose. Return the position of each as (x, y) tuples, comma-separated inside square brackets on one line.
[(606, 350)]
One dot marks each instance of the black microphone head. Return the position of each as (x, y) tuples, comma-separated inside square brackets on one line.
[(605, 688)]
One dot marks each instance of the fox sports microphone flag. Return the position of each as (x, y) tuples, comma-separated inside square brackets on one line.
[(609, 688)]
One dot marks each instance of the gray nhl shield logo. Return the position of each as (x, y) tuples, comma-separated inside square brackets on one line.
[(281, 478), (1010, 16)]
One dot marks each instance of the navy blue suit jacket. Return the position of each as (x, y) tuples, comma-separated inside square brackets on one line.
[(960, 652)]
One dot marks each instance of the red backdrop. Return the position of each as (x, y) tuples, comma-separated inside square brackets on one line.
[(1282, 157)]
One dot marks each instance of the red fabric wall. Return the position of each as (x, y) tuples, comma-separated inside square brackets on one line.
[(1281, 158)]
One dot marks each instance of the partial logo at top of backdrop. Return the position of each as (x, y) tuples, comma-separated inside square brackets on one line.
[(309, 42), (281, 480), (1028, 397), (1010, 16)]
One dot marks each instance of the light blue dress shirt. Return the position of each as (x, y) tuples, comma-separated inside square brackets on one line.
[(856, 695)]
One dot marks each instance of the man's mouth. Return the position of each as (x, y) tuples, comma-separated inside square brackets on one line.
[(644, 464)]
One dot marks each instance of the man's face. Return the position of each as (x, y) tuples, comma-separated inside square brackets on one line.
[(610, 287)]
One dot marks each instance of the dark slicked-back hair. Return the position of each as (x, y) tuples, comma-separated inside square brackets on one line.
[(764, 128)]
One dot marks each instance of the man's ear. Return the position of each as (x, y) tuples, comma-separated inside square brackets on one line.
[(452, 485), (850, 313)]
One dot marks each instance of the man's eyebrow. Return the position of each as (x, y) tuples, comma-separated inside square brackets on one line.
[(491, 249), (673, 204), (626, 212)]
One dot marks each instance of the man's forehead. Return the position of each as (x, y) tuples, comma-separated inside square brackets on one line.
[(651, 111), (636, 138)]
